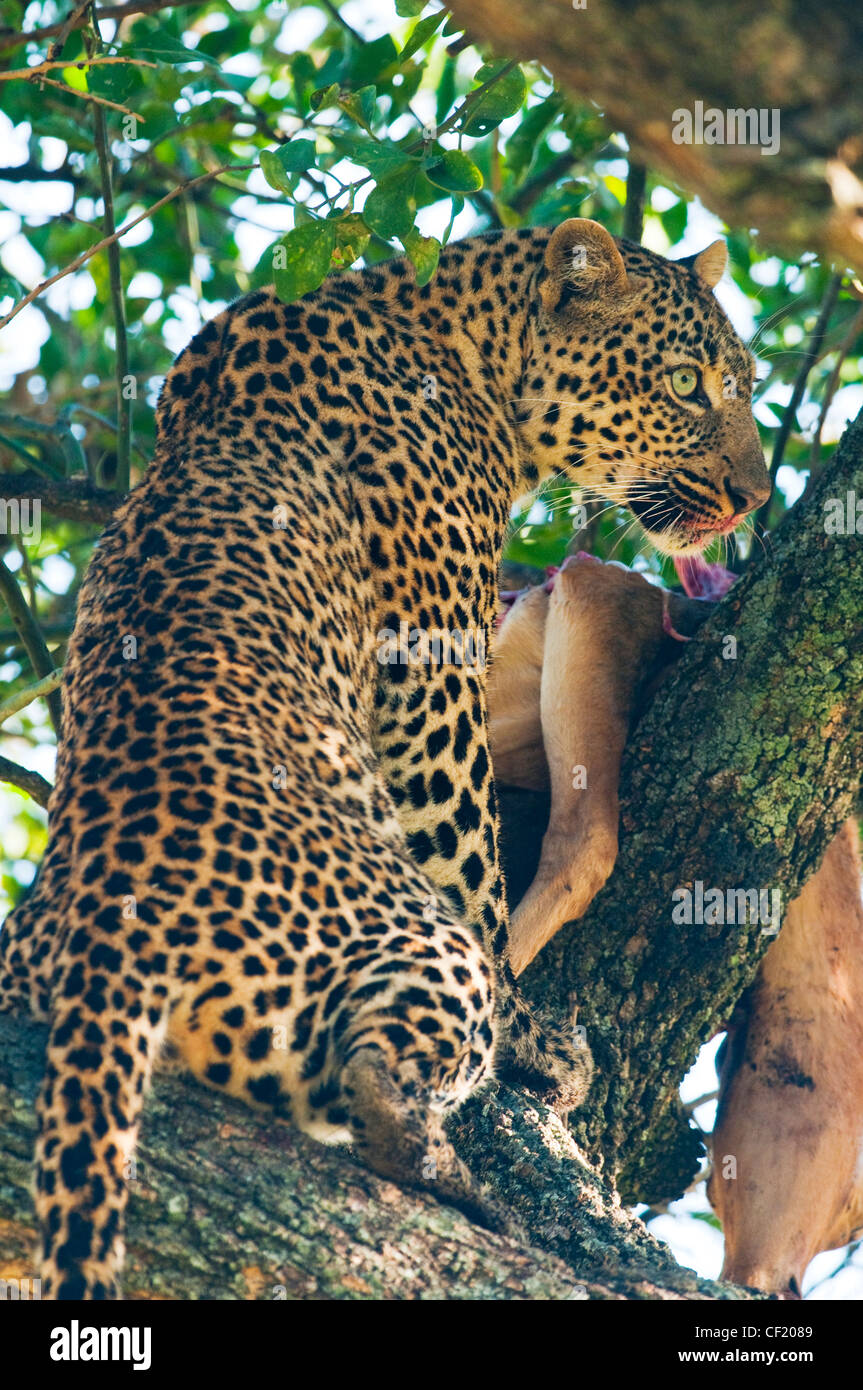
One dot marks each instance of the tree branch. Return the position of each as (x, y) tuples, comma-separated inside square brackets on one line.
[(633, 211), (22, 698), (643, 63), (14, 38), (738, 776), (76, 499), (37, 72), (33, 783), (28, 628), (807, 362), (225, 1203), (115, 278), (87, 255)]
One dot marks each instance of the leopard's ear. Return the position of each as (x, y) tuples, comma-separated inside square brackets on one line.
[(582, 263), (709, 265)]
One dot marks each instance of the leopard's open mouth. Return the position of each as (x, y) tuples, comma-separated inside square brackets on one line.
[(673, 526)]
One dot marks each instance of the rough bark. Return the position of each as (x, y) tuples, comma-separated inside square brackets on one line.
[(642, 60), (229, 1204), (739, 776), (78, 499)]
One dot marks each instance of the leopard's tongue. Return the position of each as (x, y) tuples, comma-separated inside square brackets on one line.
[(701, 580)]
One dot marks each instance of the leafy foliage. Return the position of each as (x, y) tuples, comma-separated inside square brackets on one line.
[(340, 143)]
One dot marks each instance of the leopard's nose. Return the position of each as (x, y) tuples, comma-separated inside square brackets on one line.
[(745, 497)]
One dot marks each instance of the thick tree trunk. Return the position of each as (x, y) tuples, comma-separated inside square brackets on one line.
[(643, 60), (228, 1204), (739, 776)]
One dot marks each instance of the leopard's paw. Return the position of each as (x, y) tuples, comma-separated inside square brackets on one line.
[(553, 1062)]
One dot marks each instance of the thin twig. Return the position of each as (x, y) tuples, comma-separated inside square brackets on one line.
[(121, 346), (22, 698), (847, 1260), (10, 38), (92, 251), (31, 74), (536, 185), (33, 783), (701, 1100), (328, 5), (31, 172), (854, 330), (49, 438), (76, 499), (110, 424), (28, 629), (54, 632), (76, 16), (91, 96), (810, 356), (633, 210), (28, 574)]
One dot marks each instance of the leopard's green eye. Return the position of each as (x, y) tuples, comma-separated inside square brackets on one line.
[(684, 381)]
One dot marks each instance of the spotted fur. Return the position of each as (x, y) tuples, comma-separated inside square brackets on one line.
[(267, 846)]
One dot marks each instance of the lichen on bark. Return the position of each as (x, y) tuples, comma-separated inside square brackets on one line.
[(739, 775)]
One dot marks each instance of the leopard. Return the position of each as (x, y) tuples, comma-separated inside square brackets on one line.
[(273, 843)]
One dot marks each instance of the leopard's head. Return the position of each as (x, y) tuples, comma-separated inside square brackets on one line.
[(639, 389)]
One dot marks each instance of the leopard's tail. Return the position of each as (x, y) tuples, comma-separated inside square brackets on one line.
[(28, 940), (108, 1027)]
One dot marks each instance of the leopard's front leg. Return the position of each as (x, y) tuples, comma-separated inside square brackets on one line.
[(432, 739)]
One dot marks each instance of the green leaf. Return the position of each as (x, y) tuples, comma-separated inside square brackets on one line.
[(502, 99), (674, 220), (352, 238), (304, 74), (301, 259), (421, 33), (369, 61), (585, 130), (424, 251), (161, 47), (445, 90), (409, 9), (234, 82), (114, 82), (709, 1218), (391, 206), (509, 217), (360, 106), (412, 75), (522, 144), (294, 157), (297, 155), (380, 157), (274, 173), (325, 96), (455, 173)]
